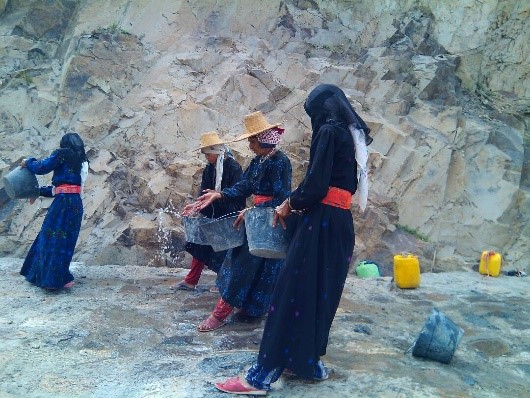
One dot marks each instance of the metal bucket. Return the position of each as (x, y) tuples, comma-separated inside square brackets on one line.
[(21, 183), (264, 240), (192, 230), (222, 235), (438, 339)]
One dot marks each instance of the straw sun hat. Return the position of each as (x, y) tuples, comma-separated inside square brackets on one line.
[(208, 139), (255, 123)]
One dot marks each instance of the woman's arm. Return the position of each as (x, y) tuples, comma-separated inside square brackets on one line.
[(315, 185), (45, 165)]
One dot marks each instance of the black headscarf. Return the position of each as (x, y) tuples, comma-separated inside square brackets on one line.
[(73, 150), (327, 104)]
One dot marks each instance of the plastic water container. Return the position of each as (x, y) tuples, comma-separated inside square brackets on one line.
[(264, 240), (222, 235), (21, 183), (490, 263), (406, 271), (192, 230), (438, 339), (367, 269)]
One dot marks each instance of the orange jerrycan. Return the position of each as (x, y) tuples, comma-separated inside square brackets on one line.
[(490, 263), (406, 271)]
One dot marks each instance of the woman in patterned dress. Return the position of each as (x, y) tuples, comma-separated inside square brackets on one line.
[(246, 281), (48, 260)]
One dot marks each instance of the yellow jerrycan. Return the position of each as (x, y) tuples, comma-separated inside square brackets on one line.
[(490, 263), (406, 271)]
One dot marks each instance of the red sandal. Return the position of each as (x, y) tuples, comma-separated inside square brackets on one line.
[(209, 324), (235, 385)]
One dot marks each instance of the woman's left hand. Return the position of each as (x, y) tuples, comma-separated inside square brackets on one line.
[(280, 213), (240, 219)]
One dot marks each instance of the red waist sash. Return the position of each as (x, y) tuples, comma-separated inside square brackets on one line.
[(67, 188), (259, 199), (338, 197)]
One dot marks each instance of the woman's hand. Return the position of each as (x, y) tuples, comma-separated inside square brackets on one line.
[(281, 212), (208, 198), (23, 163), (202, 201), (240, 219), (190, 209)]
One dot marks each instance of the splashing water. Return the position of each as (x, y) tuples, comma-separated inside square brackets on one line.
[(165, 236)]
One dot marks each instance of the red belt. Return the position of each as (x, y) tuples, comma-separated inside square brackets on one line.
[(338, 197), (259, 199), (67, 188)]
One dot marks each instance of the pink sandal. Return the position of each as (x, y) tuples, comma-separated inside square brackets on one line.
[(69, 285), (235, 385), (209, 324)]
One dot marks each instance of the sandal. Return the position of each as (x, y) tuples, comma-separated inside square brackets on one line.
[(209, 324), (184, 286), (235, 385), (69, 285)]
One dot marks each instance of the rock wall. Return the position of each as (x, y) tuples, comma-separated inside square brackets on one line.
[(444, 86)]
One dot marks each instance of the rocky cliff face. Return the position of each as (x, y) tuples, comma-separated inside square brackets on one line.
[(444, 86)]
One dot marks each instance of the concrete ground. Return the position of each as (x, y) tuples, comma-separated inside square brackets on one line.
[(121, 331)]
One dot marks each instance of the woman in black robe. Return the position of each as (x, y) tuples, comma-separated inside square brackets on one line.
[(221, 171), (309, 286)]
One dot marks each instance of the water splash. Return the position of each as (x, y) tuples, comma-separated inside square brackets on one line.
[(166, 236)]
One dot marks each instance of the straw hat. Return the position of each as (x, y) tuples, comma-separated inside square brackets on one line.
[(255, 123), (210, 138)]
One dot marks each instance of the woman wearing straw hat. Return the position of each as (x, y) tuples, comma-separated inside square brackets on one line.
[(245, 281), (221, 171), (309, 287)]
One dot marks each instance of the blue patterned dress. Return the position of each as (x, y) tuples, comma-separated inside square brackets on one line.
[(48, 260), (246, 281)]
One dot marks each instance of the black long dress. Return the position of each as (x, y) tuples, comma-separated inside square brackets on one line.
[(310, 284), (232, 173)]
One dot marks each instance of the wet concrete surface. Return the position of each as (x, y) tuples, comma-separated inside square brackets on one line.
[(122, 331)]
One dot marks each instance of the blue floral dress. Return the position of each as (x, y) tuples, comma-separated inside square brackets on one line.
[(246, 281), (48, 260)]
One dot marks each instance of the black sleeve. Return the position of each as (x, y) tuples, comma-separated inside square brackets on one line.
[(315, 185)]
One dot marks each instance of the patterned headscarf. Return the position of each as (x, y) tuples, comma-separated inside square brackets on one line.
[(271, 136)]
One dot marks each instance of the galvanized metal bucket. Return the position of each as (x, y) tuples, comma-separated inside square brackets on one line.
[(264, 240), (21, 183), (222, 235)]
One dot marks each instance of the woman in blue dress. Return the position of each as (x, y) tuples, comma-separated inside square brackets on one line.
[(246, 281), (310, 285), (48, 260)]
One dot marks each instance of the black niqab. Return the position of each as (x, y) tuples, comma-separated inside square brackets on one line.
[(327, 104)]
